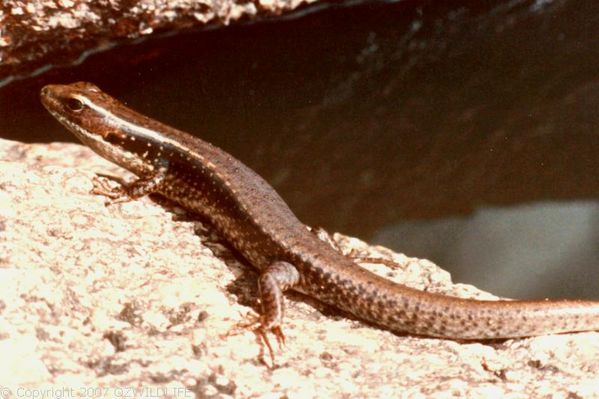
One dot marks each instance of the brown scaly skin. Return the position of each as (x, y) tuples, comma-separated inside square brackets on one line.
[(254, 219)]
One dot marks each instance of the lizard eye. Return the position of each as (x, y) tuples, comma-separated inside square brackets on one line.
[(74, 105)]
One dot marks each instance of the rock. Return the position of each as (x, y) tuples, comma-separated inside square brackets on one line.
[(129, 301), (38, 34)]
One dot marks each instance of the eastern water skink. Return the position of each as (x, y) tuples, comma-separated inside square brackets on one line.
[(253, 218)]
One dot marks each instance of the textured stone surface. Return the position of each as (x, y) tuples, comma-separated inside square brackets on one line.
[(124, 298), (36, 34)]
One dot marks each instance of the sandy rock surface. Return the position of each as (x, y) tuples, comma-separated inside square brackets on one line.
[(124, 300)]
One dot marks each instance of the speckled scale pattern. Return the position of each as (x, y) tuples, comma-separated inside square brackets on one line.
[(256, 221)]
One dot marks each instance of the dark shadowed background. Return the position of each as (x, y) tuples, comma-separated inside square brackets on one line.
[(465, 133)]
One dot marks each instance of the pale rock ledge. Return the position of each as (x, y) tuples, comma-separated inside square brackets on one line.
[(108, 301)]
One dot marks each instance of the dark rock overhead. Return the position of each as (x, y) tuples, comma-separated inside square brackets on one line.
[(36, 35)]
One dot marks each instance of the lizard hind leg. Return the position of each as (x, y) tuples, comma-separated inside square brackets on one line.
[(354, 255), (274, 280)]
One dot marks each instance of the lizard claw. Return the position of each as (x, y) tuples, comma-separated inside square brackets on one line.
[(261, 332), (256, 325), (278, 333)]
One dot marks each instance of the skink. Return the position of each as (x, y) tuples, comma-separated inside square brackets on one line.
[(254, 219)]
